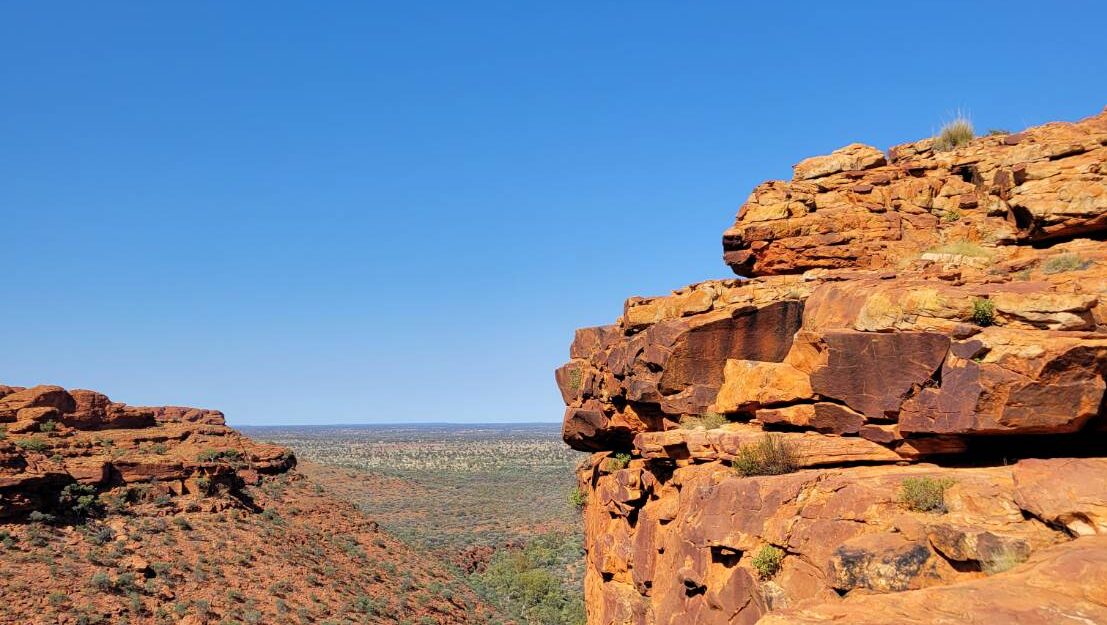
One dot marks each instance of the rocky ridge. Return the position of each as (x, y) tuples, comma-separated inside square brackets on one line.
[(112, 513), (907, 320)]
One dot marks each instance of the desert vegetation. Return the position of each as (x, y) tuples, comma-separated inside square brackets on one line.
[(983, 312), (499, 503), (706, 421), (924, 494), (954, 134), (771, 455), (767, 561)]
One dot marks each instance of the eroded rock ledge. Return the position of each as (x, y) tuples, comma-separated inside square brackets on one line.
[(53, 438), (910, 314)]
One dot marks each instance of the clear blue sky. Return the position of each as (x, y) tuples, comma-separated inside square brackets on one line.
[(363, 212)]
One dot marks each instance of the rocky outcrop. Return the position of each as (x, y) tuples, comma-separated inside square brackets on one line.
[(900, 403), (52, 438)]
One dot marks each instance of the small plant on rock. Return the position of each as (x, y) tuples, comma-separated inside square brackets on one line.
[(618, 461), (961, 248), (772, 455), (954, 134), (924, 494), (983, 312), (33, 444), (577, 497), (1003, 560), (706, 421), (767, 561), (1065, 262)]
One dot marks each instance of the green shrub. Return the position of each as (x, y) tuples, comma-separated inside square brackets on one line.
[(100, 581), (954, 134), (37, 516), (214, 455), (81, 500), (772, 455), (33, 444), (706, 421), (618, 461), (575, 378), (1065, 262), (924, 494), (983, 312), (47, 426), (767, 561), (577, 497), (950, 216)]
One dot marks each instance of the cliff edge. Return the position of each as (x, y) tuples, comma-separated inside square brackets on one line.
[(895, 416)]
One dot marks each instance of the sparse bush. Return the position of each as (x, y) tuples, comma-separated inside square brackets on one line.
[(954, 134), (1065, 262), (961, 248), (100, 581), (983, 312), (998, 132), (950, 216), (924, 494), (101, 536), (215, 455), (618, 461), (577, 497), (37, 516), (706, 421), (1003, 560), (575, 378), (767, 561), (182, 523), (772, 455), (47, 426)]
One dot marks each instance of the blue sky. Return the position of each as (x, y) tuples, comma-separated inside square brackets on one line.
[(369, 212)]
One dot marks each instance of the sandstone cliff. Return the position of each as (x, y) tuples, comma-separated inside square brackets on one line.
[(896, 416)]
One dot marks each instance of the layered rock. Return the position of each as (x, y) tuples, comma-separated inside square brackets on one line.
[(907, 315), (53, 438)]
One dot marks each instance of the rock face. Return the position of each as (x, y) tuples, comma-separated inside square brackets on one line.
[(898, 410), (53, 438)]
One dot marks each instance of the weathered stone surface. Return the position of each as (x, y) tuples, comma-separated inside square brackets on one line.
[(918, 306), (1011, 382), (853, 209), (38, 397), (1063, 585), (1067, 492), (750, 384)]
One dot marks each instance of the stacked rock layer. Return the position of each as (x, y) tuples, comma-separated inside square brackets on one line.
[(51, 438), (910, 320)]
